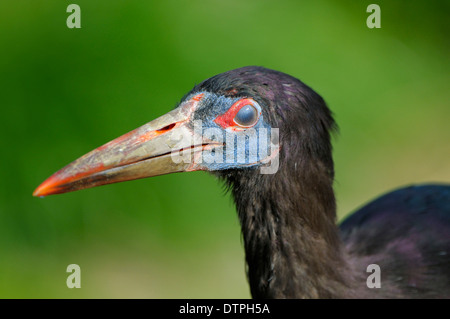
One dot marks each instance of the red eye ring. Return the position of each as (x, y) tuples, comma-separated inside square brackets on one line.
[(226, 120)]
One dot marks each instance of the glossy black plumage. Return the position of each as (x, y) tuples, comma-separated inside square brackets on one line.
[(293, 247), (407, 233)]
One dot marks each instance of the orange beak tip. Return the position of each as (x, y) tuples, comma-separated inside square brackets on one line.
[(43, 190), (37, 193)]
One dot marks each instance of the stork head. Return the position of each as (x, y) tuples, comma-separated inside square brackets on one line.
[(227, 123)]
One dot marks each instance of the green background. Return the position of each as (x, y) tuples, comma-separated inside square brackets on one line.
[(66, 91)]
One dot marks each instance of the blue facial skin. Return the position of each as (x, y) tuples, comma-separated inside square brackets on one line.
[(246, 147)]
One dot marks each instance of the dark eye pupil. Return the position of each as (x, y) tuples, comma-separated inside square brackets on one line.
[(246, 116)]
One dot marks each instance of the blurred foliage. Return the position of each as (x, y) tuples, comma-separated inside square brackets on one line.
[(66, 91)]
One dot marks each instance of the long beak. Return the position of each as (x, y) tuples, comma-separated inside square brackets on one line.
[(150, 150)]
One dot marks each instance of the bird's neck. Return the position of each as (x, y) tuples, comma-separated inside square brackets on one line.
[(292, 244)]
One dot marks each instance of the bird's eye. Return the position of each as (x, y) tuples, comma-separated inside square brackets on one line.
[(247, 116), (243, 114)]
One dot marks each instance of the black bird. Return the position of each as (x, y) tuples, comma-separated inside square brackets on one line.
[(281, 181)]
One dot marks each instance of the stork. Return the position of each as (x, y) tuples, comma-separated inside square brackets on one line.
[(293, 246)]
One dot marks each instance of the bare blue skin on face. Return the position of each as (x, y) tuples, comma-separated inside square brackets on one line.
[(243, 147)]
